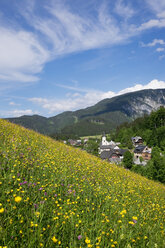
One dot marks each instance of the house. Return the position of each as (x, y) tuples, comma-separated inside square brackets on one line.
[(78, 142), (137, 141), (113, 156), (74, 142), (86, 140), (106, 148), (143, 152), (146, 154)]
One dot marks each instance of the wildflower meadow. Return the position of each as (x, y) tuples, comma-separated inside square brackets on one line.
[(53, 195)]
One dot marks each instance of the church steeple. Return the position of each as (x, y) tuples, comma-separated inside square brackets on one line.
[(104, 140)]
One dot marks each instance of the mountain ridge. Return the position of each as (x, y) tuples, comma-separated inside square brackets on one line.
[(105, 115)]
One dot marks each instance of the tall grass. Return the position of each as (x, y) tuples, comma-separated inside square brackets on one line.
[(52, 195)]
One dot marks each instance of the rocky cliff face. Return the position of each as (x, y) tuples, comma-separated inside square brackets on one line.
[(144, 103)]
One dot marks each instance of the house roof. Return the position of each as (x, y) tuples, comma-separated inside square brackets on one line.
[(108, 154), (139, 149), (106, 146), (122, 151), (136, 138), (105, 154)]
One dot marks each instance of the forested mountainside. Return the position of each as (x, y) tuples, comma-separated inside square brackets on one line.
[(102, 117)]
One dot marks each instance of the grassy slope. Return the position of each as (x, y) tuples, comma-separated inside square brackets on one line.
[(72, 197)]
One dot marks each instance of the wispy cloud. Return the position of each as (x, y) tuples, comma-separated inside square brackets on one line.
[(25, 49), (78, 101), (17, 113), (124, 10), (14, 104), (72, 88), (157, 6), (153, 23), (160, 49), (21, 55), (154, 43)]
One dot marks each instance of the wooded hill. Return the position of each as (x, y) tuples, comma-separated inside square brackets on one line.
[(150, 127), (104, 116)]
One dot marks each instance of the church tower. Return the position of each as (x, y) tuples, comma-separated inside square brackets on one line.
[(104, 140)]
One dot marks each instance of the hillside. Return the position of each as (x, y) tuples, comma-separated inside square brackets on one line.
[(150, 127), (152, 130), (53, 195), (103, 116)]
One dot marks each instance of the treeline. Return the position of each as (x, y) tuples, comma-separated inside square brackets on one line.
[(87, 128), (155, 168), (150, 127), (61, 136)]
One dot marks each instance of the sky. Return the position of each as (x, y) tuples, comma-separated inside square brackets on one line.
[(64, 55)]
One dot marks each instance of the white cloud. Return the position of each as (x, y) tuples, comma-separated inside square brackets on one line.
[(21, 55), (154, 43), (160, 49), (14, 104), (70, 32), (60, 32), (153, 23), (161, 14), (157, 6), (124, 10), (78, 101), (64, 30), (17, 113), (154, 84)]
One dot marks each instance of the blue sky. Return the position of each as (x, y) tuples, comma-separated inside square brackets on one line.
[(61, 55)]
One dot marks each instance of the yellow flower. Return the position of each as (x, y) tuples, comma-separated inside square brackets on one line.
[(2, 210), (37, 214), (87, 241), (18, 199), (54, 239), (131, 222)]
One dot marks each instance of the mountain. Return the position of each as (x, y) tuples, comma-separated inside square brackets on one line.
[(103, 116)]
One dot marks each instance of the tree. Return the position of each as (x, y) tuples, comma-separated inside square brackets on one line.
[(158, 165), (128, 160), (92, 147)]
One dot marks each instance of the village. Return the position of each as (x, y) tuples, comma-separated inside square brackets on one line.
[(111, 151)]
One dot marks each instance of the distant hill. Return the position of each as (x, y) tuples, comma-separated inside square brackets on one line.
[(103, 116)]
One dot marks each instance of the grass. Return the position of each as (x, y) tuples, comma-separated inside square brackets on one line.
[(92, 136), (52, 195)]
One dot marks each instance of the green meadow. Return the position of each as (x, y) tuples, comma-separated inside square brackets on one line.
[(53, 195)]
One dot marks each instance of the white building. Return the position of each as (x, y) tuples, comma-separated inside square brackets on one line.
[(106, 145)]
